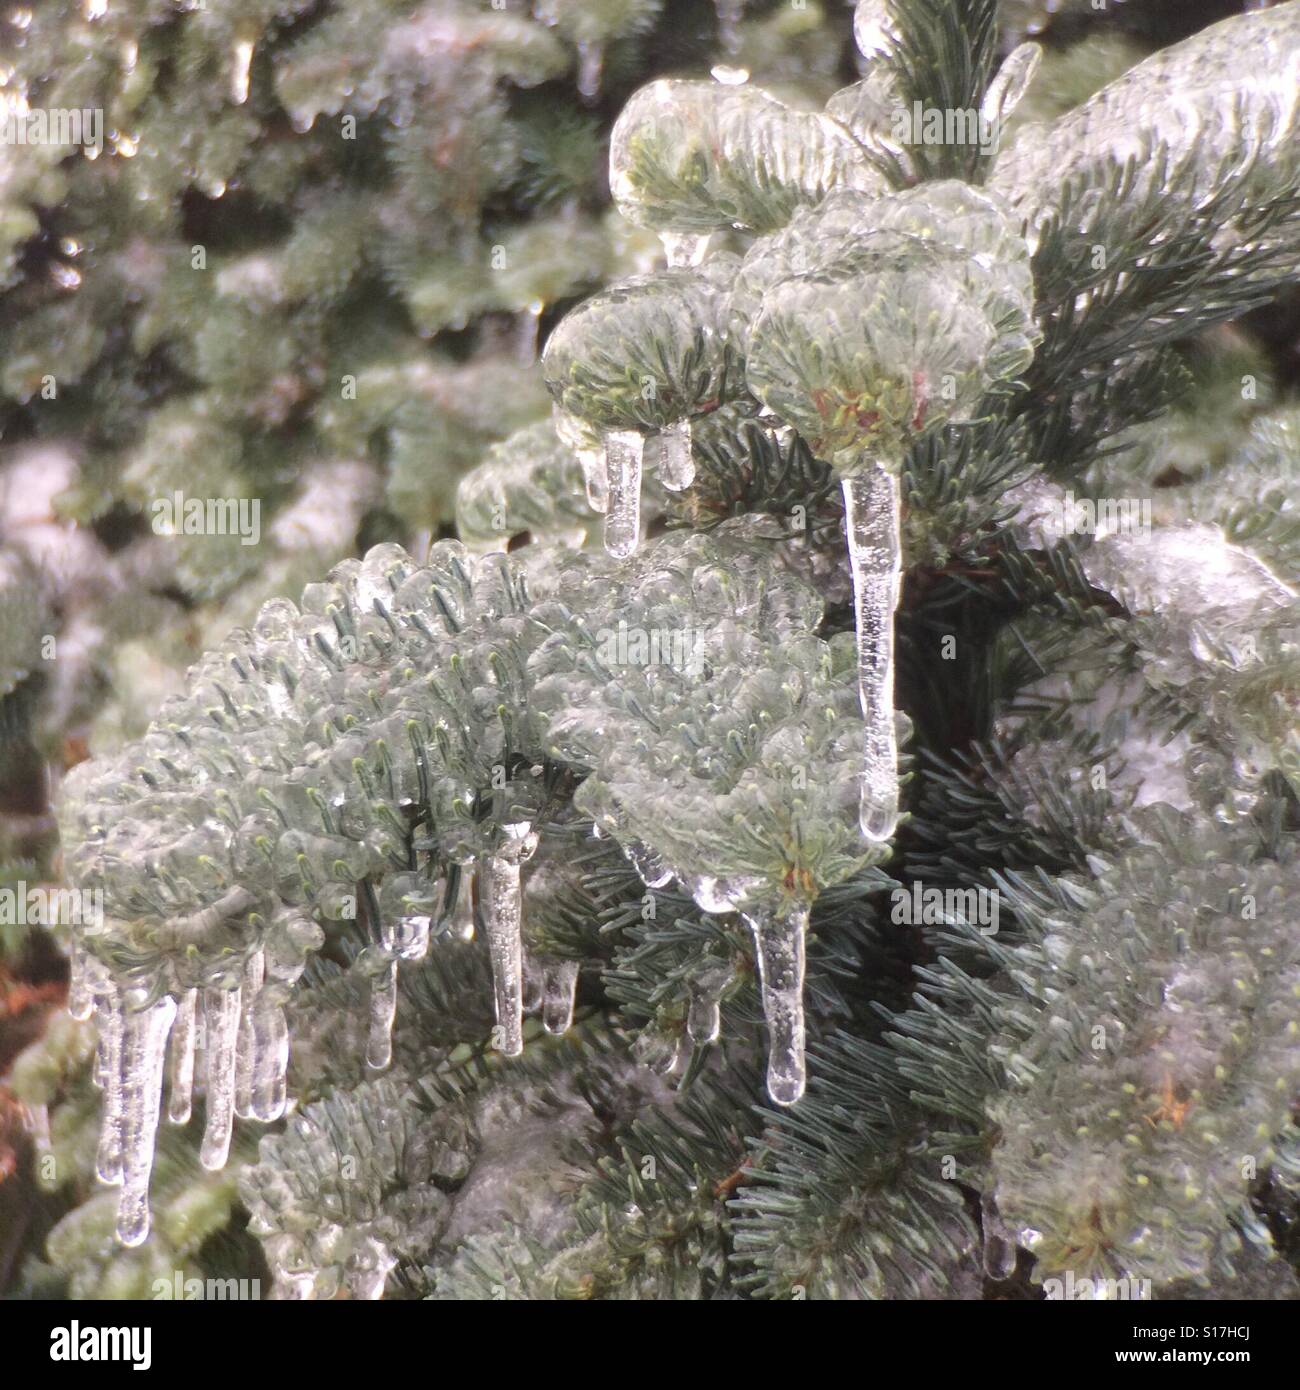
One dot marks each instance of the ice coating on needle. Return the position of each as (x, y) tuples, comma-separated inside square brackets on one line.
[(694, 157), (1224, 102)]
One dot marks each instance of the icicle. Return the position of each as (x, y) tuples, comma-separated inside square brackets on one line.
[(676, 462), (502, 910), (270, 1075), (81, 997), (243, 62), (108, 1072), (246, 1046), (461, 926), (533, 986), (37, 1121), (872, 509), (623, 452), (143, 1053), (684, 248), (412, 937), (558, 991), (181, 1096), (221, 1033), (779, 942), (729, 13), (503, 917), (703, 1018), (529, 322), (591, 59), (999, 1243), (596, 478), (383, 1010)]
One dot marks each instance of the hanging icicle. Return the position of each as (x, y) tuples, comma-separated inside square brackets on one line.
[(559, 989), (383, 1010), (108, 1076), (779, 944), (221, 1037), (872, 521), (144, 1051), (623, 454), (182, 1048), (503, 917), (676, 462)]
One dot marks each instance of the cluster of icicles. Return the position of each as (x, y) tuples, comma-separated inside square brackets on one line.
[(234, 1043), (242, 1038)]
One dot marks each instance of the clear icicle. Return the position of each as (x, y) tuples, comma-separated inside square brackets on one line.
[(779, 942), (529, 320), (108, 1072), (703, 1018), (591, 60), (221, 1035), (676, 462), (246, 1046), (383, 1010), (684, 248), (534, 984), (559, 989), (999, 1243), (143, 1054), (729, 15), (181, 1080), (461, 925), (412, 937), (81, 996), (623, 454), (270, 1073), (872, 512), (503, 914), (596, 478)]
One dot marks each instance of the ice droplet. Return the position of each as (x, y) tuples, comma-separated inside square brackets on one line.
[(999, 1243), (623, 452), (503, 917), (676, 462), (559, 989), (143, 1053), (108, 1073), (1009, 86), (779, 939), (872, 510), (383, 1010), (241, 64), (684, 248), (181, 1088), (220, 1035)]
